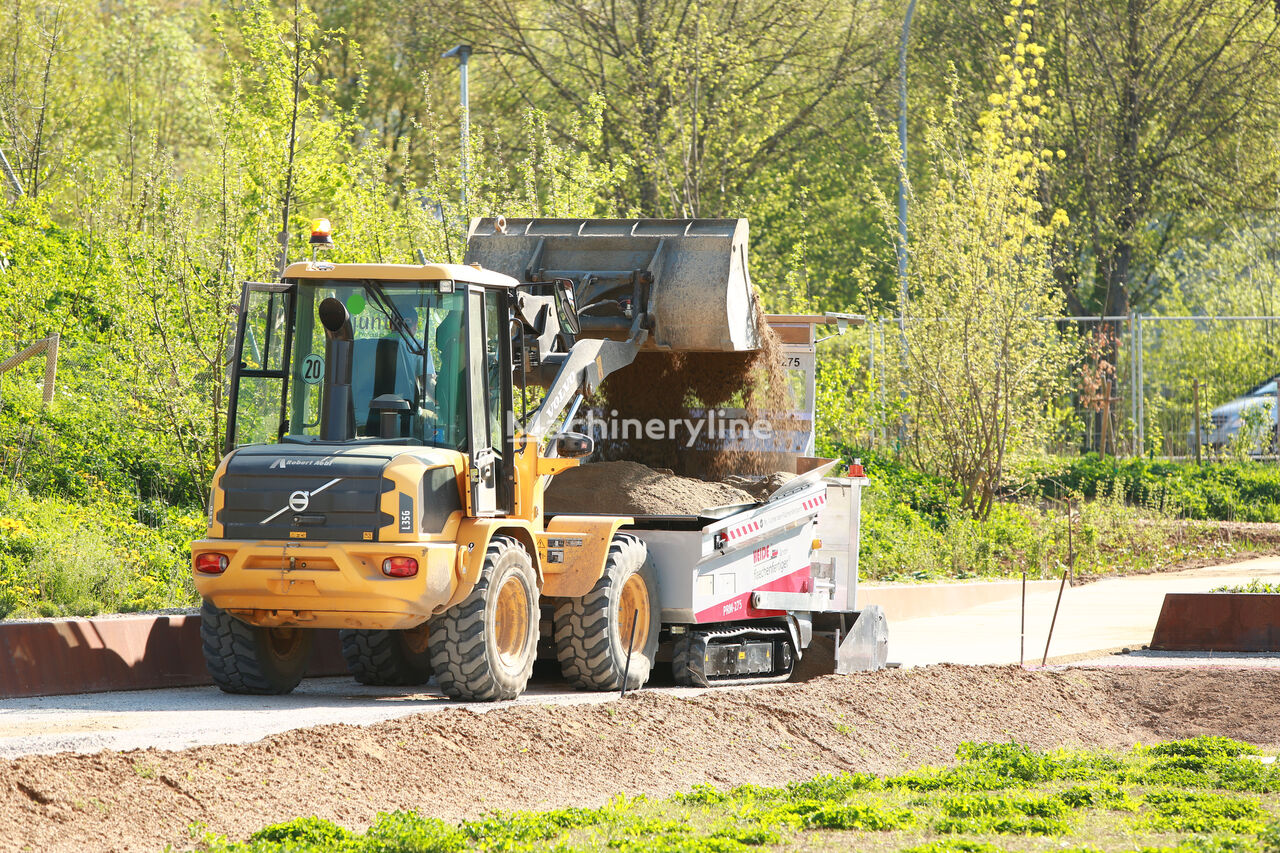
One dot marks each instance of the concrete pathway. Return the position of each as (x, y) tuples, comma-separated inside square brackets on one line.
[(1102, 615)]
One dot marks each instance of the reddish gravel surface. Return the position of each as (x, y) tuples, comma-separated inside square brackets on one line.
[(457, 763)]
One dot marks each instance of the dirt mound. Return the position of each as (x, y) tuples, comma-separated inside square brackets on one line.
[(760, 487), (629, 488), (458, 764)]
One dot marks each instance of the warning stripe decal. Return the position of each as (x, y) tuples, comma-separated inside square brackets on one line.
[(751, 527)]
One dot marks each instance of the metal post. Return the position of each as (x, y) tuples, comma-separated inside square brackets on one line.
[(1022, 637), (626, 669), (1106, 416), (1142, 391), (1195, 402), (902, 164), (1071, 539), (463, 54), (1054, 621), (902, 211), (871, 370), (1133, 386), (10, 174)]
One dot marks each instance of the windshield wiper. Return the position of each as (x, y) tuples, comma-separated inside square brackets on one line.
[(394, 317)]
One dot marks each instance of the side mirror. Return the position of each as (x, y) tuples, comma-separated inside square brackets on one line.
[(567, 306), (573, 445)]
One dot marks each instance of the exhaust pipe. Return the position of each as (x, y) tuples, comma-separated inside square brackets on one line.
[(337, 417)]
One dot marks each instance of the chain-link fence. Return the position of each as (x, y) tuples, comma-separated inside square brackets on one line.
[(1138, 386)]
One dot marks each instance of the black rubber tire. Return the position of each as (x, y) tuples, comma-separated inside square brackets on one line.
[(592, 635), (464, 639), (243, 658), (686, 661), (387, 658)]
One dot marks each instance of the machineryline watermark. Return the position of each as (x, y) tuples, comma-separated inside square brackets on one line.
[(714, 425)]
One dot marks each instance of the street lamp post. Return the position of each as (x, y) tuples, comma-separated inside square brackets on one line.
[(902, 207), (902, 166), (462, 53)]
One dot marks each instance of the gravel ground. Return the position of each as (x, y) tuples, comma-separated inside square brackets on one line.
[(457, 763)]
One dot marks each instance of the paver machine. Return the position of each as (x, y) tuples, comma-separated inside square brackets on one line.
[(386, 463)]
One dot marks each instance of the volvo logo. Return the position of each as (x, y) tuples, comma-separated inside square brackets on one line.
[(299, 501)]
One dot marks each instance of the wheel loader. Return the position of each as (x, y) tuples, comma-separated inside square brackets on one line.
[(386, 463)]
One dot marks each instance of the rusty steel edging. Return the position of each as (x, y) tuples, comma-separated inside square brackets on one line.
[(1218, 622), (60, 656)]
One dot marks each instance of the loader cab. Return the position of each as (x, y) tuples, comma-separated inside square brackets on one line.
[(372, 354)]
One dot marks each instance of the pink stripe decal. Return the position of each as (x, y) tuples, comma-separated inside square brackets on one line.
[(739, 607)]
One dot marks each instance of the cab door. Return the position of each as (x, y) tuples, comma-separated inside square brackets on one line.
[(483, 395), (260, 365)]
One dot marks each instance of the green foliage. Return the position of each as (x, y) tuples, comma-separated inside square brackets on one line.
[(995, 789), (980, 365), (305, 830), (112, 555), (913, 529), (1205, 747), (1255, 586), (1183, 811), (1220, 491), (815, 814)]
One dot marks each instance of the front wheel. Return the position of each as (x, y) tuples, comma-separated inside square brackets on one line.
[(482, 648), (387, 658), (244, 658), (596, 643)]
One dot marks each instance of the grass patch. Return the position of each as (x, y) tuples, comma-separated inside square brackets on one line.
[(1255, 585), (997, 797)]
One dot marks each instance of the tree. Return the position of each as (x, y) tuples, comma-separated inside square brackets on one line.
[(1167, 115), (38, 88), (980, 363), (700, 94)]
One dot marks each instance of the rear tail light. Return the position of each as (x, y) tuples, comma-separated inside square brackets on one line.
[(211, 564), (856, 469), (400, 567)]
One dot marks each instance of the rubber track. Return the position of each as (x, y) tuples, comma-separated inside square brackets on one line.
[(584, 646), (456, 639), (230, 653), (689, 654), (375, 657)]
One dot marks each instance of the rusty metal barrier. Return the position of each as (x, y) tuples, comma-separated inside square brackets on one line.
[(1218, 622), (60, 656)]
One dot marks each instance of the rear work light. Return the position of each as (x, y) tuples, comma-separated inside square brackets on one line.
[(400, 567), (211, 564)]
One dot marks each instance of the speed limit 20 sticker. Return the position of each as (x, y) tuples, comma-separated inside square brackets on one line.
[(312, 369)]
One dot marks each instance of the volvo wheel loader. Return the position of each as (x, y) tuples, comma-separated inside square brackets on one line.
[(384, 476)]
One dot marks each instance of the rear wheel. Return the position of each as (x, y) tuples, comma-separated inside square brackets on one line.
[(390, 658), (482, 648), (244, 658), (594, 640)]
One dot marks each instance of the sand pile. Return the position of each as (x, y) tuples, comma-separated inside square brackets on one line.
[(629, 488), (759, 488)]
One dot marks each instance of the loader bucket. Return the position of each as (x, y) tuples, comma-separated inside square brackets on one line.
[(684, 280)]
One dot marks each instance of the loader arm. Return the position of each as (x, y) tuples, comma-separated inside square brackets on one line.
[(585, 366)]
